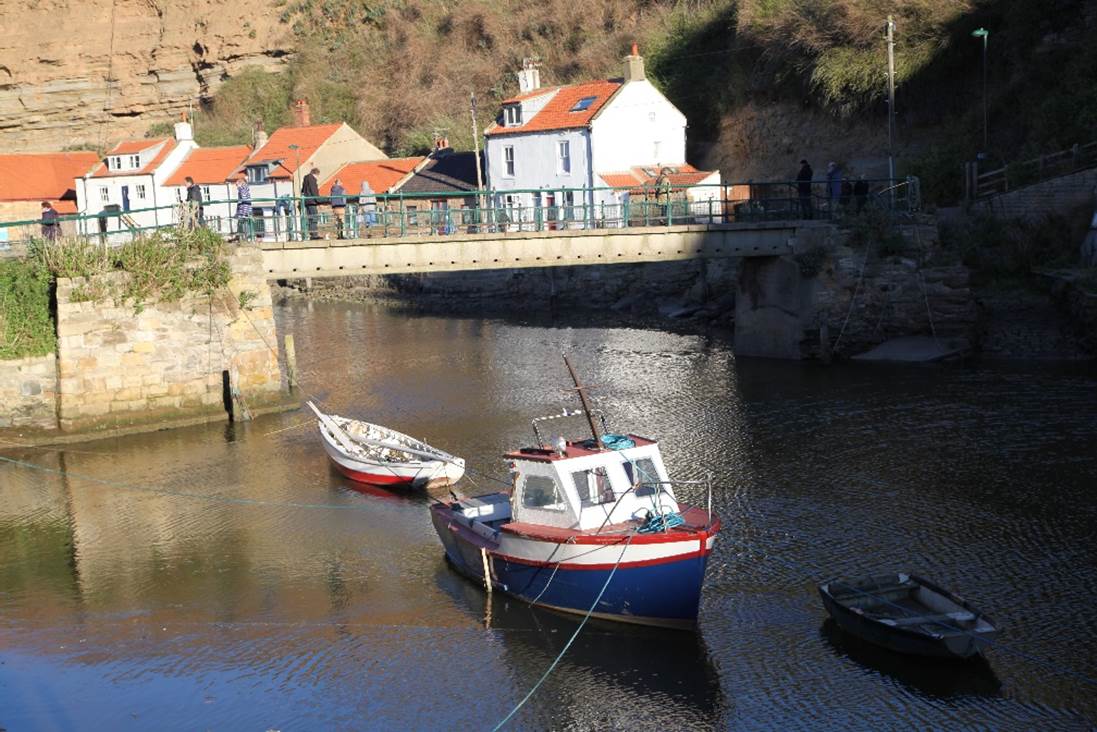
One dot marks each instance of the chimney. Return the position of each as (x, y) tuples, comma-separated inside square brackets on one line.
[(183, 131), (259, 137), (634, 66), (529, 78), (441, 143), (301, 116)]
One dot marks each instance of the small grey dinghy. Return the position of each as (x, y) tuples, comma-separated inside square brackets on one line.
[(909, 615)]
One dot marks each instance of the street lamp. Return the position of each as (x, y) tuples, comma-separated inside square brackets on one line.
[(984, 34)]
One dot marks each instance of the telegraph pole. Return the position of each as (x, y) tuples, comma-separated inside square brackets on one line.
[(891, 99), (476, 148)]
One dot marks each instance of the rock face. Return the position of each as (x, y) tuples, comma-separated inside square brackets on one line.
[(88, 72)]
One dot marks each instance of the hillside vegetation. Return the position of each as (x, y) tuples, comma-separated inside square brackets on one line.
[(761, 81)]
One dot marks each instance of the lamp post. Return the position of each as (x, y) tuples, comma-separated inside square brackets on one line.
[(984, 34)]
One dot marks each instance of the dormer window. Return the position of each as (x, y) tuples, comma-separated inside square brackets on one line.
[(135, 161), (513, 115), (583, 104), (257, 173), (114, 162)]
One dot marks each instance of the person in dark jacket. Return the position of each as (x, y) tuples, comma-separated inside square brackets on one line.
[(338, 202), (51, 225), (803, 188), (194, 203), (310, 199), (860, 192)]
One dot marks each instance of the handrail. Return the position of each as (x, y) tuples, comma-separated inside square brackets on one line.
[(395, 215), (1034, 170)]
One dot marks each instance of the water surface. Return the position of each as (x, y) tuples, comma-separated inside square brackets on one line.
[(225, 577)]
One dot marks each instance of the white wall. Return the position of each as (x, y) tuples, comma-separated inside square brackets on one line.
[(624, 132), (536, 165)]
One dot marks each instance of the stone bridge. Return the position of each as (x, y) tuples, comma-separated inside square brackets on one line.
[(516, 250)]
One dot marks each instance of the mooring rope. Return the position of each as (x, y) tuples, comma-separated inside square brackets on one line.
[(571, 640)]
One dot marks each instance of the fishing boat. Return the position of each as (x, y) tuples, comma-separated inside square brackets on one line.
[(590, 526), (370, 453), (909, 615)]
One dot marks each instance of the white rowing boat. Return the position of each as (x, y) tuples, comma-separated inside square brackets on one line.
[(370, 453)]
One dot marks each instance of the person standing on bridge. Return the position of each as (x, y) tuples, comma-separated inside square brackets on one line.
[(243, 209), (803, 188), (195, 216), (51, 226), (338, 205), (310, 200)]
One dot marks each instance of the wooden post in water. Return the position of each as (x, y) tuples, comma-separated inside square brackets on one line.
[(291, 362), (586, 404)]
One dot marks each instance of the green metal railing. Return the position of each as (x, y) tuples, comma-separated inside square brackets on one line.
[(383, 216)]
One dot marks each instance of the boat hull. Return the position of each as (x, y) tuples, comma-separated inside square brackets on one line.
[(410, 474), (911, 641), (655, 582)]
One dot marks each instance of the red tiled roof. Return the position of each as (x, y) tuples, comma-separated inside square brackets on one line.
[(307, 140), (648, 175), (131, 147), (42, 176), (531, 94), (557, 114), (209, 164), (381, 174)]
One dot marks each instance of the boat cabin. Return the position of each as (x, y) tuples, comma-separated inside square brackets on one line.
[(584, 487)]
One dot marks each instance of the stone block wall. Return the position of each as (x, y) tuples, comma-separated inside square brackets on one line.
[(28, 393), (118, 367)]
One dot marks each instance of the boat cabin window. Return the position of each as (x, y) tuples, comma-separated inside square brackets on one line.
[(593, 486), (540, 491), (642, 474)]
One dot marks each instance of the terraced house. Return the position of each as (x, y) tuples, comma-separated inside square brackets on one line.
[(552, 148)]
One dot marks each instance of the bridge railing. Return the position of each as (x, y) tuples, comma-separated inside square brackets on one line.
[(1026, 172), (396, 215)]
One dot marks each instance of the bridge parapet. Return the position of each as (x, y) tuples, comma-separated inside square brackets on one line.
[(462, 252)]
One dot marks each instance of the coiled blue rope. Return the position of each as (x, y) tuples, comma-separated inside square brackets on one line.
[(661, 522)]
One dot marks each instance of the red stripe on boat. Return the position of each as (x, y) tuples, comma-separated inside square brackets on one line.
[(372, 478)]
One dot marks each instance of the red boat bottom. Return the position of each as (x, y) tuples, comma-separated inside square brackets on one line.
[(373, 478)]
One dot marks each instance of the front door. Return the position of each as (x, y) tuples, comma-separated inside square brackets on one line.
[(125, 198), (550, 211)]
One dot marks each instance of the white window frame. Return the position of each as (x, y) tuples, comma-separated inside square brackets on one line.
[(513, 114), (140, 190), (205, 194), (508, 161), (563, 157), (655, 151), (104, 194), (135, 161)]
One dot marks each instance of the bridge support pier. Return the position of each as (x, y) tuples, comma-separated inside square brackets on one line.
[(774, 305)]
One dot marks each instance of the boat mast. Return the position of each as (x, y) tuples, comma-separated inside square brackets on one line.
[(583, 399)]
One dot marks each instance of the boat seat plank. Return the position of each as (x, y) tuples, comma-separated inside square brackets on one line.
[(958, 616)]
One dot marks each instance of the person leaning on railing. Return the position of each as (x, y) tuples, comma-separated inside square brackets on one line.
[(243, 208), (310, 199)]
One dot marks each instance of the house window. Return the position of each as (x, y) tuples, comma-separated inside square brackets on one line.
[(508, 161), (569, 205), (135, 161), (563, 156), (541, 491), (413, 215), (114, 163), (651, 116), (655, 151), (104, 194), (140, 190), (583, 104), (205, 193), (513, 115), (257, 174)]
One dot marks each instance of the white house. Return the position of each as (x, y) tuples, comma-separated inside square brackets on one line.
[(127, 188), (210, 168), (555, 152)]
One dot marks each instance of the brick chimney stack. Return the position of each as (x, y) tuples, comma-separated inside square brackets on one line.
[(529, 78), (301, 117), (634, 65)]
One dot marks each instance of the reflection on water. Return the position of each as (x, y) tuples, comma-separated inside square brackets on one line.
[(227, 577)]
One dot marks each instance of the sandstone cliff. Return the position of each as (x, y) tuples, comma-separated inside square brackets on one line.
[(87, 72)]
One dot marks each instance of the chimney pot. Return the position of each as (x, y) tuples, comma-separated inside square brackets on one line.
[(529, 78)]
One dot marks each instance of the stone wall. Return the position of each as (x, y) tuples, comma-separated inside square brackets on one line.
[(168, 362), (1056, 195), (28, 393)]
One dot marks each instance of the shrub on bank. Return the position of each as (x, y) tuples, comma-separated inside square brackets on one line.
[(162, 267), (26, 322)]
